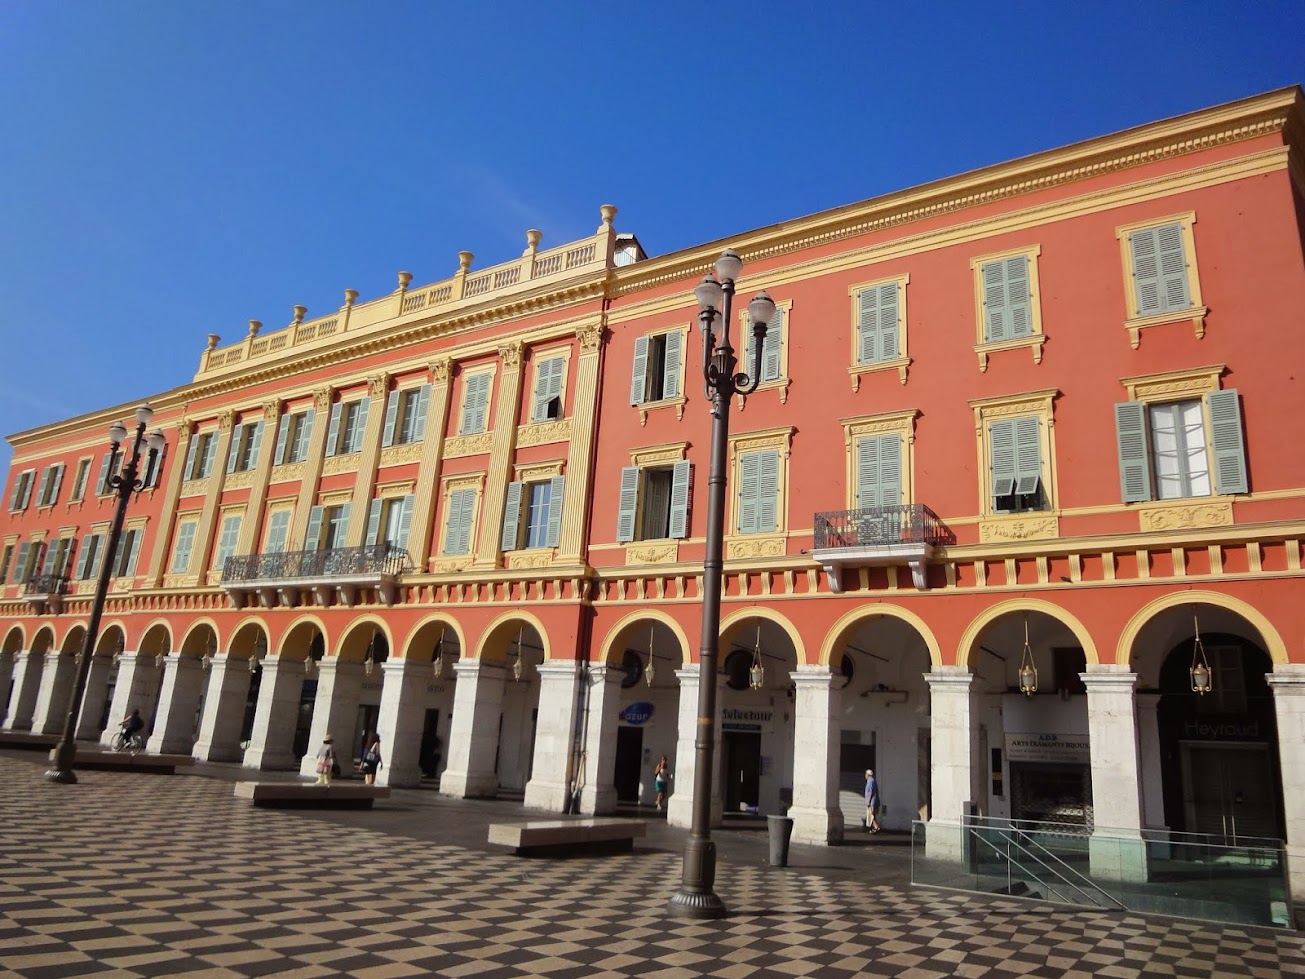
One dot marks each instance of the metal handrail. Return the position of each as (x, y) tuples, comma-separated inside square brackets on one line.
[(47, 584), (383, 559), (908, 523), (1024, 843)]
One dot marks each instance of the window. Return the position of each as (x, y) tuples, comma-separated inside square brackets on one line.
[(1015, 454), (128, 552), (278, 530), (654, 503), (388, 521), (181, 550), (327, 527), (879, 337), (292, 437), (348, 423), (6, 553), (22, 494), (51, 480), (879, 472), (92, 554), (475, 403), (459, 521), (405, 416), (658, 363), (227, 539), (1067, 665), (79, 482), (56, 556), (1008, 313), (1161, 284), (29, 553), (532, 515), (246, 441), (1173, 450), (758, 493), (549, 377), (199, 457)]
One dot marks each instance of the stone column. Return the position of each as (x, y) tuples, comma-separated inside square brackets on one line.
[(6, 676), (27, 683), (421, 532), (957, 776), (679, 808), (334, 712), (549, 787), (403, 702), (179, 699), (271, 743), (57, 679), (1148, 745), (1288, 684), (816, 815), (137, 686), (93, 702), (1115, 850), (598, 793), (506, 411), (473, 735), (224, 709)]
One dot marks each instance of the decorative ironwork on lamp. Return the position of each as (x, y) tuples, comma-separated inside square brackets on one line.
[(206, 661), (650, 671), (369, 662), (517, 668), (1028, 672), (757, 672), (260, 644), (437, 662), (1202, 679)]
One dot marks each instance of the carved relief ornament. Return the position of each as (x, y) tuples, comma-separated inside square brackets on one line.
[(322, 398), (378, 384), (510, 353), (441, 370), (590, 337)]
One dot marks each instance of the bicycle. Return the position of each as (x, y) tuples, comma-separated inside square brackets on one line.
[(134, 742)]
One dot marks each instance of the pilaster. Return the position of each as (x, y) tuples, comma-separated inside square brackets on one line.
[(421, 533), (202, 556), (679, 807), (403, 696), (816, 815), (168, 512), (957, 776), (597, 785), (224, 710), (1115, 850), (271, 742), (578, 493), (378, 389), (28, 666), (549, 787), (251, 528), (1288, 684), (473, 736), (312, 468), (506, 412)]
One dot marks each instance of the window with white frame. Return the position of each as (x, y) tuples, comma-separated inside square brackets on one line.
[(57, 554), (183, 547), (658, 365), (879, 311), (550, 374), (1015, 464), (228, 535), (532, 514), (51, 480), (388, 521), (654, 502), (278, 531), (246, 441), (292, 435), (757, 499), (200, 457), (405, 415), (1007, 298), (22, 493), (348, 423), (1159, 267), (128, 552), (475, 402), (459, 520), (1173, 450), (91, 556)]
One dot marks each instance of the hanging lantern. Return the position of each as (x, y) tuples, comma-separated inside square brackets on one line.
[(437, 661), (518, 668), (369, 663), (1200, 668), (206, 661), (308, 665), (650, 671), (1028, 672), (757, 673), (158, 661)]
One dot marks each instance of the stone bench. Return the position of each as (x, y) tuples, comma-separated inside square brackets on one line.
[(127, 761), (312, 795), (555, 836)]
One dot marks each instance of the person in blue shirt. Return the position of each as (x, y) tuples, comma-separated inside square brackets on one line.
[(871, 802)]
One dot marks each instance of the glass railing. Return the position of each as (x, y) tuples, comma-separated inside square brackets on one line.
[(1157, 872)]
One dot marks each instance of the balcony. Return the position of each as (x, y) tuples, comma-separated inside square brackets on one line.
[(879, 537), (327, 577), (45, 592)]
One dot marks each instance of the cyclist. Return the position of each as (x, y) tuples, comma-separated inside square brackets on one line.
[(131, 726)]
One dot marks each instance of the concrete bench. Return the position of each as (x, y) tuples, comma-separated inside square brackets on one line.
[(126, 761), (312, 795), (557, 836)]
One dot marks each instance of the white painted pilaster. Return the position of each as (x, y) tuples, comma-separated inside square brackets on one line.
[(179, 703), (27, 683), (816, 815), (403, 711), (598, 792), (473, 735), (957, 775), (679, 808), (57, 679), (271, 742), (549, 787), (1288, 684), (1115, 850), (224, 710)]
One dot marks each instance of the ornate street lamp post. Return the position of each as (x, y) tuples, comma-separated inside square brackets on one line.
[(130, 481), (696, 898)]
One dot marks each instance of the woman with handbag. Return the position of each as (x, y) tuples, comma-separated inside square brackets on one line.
[(371, 759), (326, 760)]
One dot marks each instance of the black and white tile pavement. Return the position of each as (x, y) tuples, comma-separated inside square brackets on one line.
[(136, 875)]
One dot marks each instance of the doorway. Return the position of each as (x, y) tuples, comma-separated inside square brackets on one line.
[(369, 716), (629, 763), (1229, 790), (429, 758), (742, 768)]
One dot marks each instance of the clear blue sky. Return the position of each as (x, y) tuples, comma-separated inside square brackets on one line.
[(172, 169)]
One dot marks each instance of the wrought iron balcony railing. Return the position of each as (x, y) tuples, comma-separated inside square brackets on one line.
[(46, 584), (380, 560), (910, 523)]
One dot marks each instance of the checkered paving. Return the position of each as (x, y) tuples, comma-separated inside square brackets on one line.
[(136, 875)]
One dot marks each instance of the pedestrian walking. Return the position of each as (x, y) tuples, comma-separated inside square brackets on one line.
[(871, 802), (371, 759), (326, 762), (661, 781)]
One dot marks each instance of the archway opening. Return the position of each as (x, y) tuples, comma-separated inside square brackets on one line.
[(647, 653)]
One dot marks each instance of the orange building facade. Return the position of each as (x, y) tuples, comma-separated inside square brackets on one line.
[(1013, 470)]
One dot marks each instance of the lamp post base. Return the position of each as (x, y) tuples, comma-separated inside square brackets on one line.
[(61, 761), (695, 898), (703, 905)]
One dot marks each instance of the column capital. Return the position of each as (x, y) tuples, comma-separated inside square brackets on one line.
[(225, 420), (942, 678), (475, 666), (272, 409), (441, 369), (606, 673), (1104, 677), (817, 675), (1287, 679), (322, 398), (400, 665), (559, 668), (590, 336), (378, 384), (511, 353)]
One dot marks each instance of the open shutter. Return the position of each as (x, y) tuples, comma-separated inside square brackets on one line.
[(419, 413), (305, 434), (27, 489), (890, 470), (342, 527), (282, 433), (124, 552), (995, 325), (768, 492), (133, 553), (772, 346), (313, 537), (867, 325), (1001, 447), (681, 495), (626, 510), (749, 469), (405, 521), (457, 522), (1226, 435), (1173, 267), (867, 473), (391, 417), (188, 472), (639, 378), (333, 433), (233, 451), (210, 454), (81, 557), (255, 444), (97, 559), (1028, 457), (1145, 245), (671, 366), (156, 474), (18, 492), (512, 517), (540, 408), (374, 522), (555, 511), (1134, 462), (46, 475), (360, 428), (58, 482)]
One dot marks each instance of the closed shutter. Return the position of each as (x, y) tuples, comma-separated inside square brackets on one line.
[(210, 453), (374, 522), (1001, 447), (457, 524), (277, 531), (627, 507), (1226, 436), (181, 554), (867, 473), (878, 332), (313, 537), (20, 566), (187, 472), (681, 496), (749, 472), (418, 414), (768, 493), (333, 432), (639, 377), (233, 451), (282, 433), (1159, 269), (391, 417), (555, 511), (890, 471), (1028, 456), (405, 521), (1006, 300), (548, 385), (474, 403), (772, 347), (1173, 268), (305, 433), (671, 367), (867, 325), (512, 517), (1134, 460)]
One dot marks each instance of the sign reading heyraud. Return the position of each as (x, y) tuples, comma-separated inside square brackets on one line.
[(637, 713), (1072, 748), (745, 718)]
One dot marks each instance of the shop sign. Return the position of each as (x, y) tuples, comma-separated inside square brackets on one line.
[(1222, 730), (745, 719), (1072, 748), (637, 713)]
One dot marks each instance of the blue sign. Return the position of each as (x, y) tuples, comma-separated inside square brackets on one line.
[(637, 713)]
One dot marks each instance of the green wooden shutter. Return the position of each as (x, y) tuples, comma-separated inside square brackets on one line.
[(543, 389), (97, 558), (671, 366), (888, 333), (749, 475), (156, 474), (512, 517), (210, 454), (18, 492), (313, 537), (58, 482), (360, 429), (391, 417), (181, 555), (405, 521), (233, 450), (374, 522), (256, 444), (46, 476), (555, 511), (1134, 459), (333, 433), (134, 553), (187, 472), (772, 346), (768, 493), (1145, 245), (20, 566), (890, 470), (994, 302), (457, 524), (1173, 268), (867, 473), (282, 431), (305, 434), (81, 557), (639, 376), (1028, 455), (681, 496), (867, 325), (419, 413), (1018, 298), (1226, 435), (277, 531), (627, 507), (475, 401), (1001, 447)]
